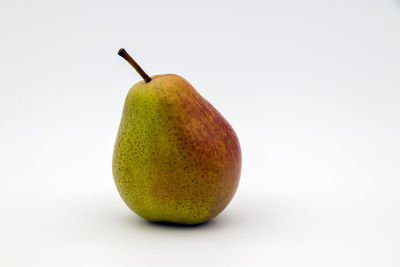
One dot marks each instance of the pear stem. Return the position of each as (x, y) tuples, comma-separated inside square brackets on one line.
[(122, 52)]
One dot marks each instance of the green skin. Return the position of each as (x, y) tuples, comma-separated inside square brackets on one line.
[(176, 159)]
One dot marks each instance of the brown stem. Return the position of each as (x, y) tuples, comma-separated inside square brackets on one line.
[(122, 52)]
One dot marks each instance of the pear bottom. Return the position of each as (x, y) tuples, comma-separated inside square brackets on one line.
[(191, 202)]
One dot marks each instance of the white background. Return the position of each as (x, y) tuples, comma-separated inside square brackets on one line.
[(312, 89)]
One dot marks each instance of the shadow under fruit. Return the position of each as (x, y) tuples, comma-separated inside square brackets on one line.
[(176, 159)]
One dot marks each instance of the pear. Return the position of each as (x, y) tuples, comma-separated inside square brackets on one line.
[(176, 159)]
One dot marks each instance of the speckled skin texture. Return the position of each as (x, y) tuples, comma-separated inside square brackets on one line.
[(176, 159)]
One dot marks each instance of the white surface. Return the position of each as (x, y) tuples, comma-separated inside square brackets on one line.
[(311, 87)]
